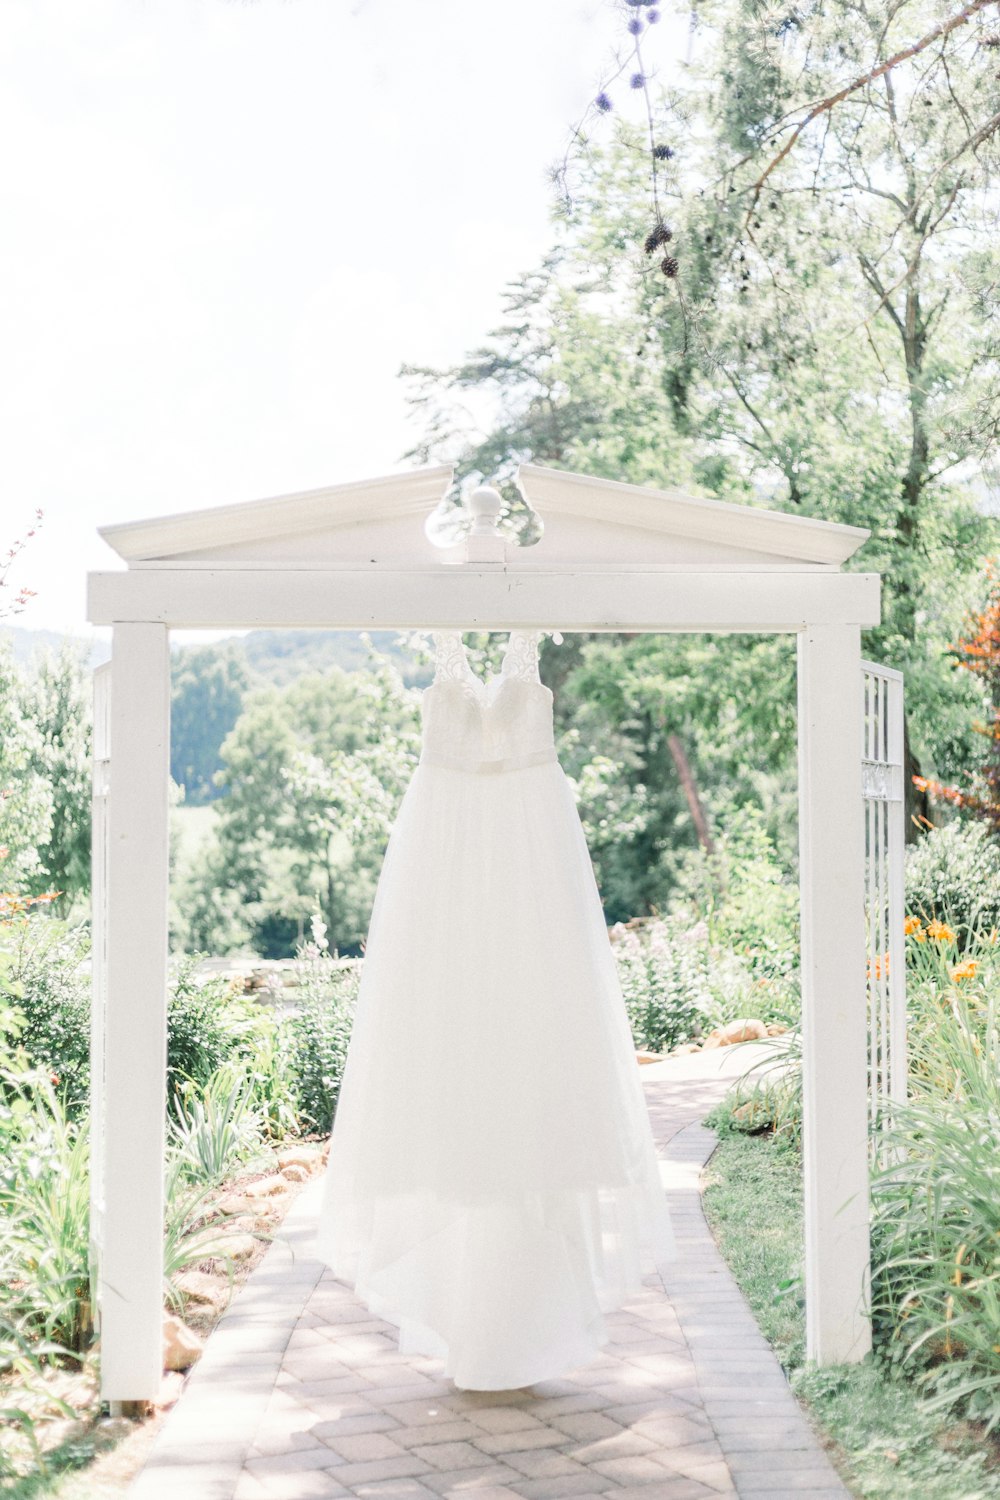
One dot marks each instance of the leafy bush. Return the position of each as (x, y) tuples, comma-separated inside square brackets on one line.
[(663, 977), (678, 984), (768, 1096), (207, 1024), (45, 1276), (320, 1030), (953, 876), (216, 1125), (936, 1279), (750, 904), (44, 977)]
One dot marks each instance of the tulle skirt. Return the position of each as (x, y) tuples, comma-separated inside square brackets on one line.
[(492, 1187)]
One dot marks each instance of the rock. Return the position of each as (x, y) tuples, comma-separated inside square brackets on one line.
[(58, 1434), (181, 1347), (297, 1156), (265, 1187), (648, 1057), (775, 1030), (235, 1204), (231, 1246), (295, 1173), (744, 1030), (170, 1388), (749, 1111), (199, 1286), (110, 1431), (686, 1047)]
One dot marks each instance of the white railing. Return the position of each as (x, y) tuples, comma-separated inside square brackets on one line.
[(885, 835)]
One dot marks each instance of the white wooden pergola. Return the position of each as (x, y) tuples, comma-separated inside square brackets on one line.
[(613, 557)]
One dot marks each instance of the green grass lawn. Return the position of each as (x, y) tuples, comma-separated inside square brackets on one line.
[(885, 1444)]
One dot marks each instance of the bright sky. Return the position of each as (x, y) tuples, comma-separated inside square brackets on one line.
[(227, 224)]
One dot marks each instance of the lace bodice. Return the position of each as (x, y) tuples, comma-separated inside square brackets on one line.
[(499, 723)]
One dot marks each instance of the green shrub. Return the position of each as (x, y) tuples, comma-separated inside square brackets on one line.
[(44, 976), (320, 1030), (216, 1125), (749, 903), (207, 1025), (767, 1097), (45, 1276), (953, 876), (936, 1209), (664, 981)]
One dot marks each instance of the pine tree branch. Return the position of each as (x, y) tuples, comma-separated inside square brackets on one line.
[(825, 106)]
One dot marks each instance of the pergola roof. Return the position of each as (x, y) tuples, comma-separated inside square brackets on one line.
[(588, 522)]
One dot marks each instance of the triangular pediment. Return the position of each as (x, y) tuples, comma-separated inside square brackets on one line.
[(329, 525), (606, 517), (586, 523)]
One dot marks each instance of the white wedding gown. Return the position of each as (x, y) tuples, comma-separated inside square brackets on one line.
[(492, 1186)]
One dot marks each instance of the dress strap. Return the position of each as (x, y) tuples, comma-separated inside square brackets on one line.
[(450, 661), (521, 657)]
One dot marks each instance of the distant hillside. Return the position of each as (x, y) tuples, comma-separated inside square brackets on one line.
[(211, 681), (274, 656), (279, 656), (27, 643)]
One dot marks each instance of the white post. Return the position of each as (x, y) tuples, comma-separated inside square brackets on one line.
[(834, 998), (131, 1268), (99, 965)]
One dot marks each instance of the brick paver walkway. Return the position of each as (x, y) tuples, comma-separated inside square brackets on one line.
[(301, 1392)]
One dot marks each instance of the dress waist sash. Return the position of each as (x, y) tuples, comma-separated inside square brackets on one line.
[(508, 763)]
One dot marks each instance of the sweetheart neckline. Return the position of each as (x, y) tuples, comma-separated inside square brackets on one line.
[(482, 684)]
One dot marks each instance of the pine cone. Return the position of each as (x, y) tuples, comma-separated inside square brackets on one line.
[(658, 235), (669, 265)]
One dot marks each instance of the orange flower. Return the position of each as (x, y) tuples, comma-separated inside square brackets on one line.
[(881, 966), (912, 926), (940, 932), (966, 970)]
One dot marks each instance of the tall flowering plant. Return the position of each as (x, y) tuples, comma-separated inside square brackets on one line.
[(978, 652)]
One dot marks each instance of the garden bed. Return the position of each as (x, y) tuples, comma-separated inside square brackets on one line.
[(877, 1429)]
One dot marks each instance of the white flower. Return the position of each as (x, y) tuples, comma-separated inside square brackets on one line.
[(319, 931)]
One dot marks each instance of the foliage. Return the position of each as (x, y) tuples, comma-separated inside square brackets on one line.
[(208, 685), (22, 1363), (44, 977), (216, 1124), (936, 1288), (833, 353), (312, 775), (953, 875), (56, 699), (767, 1097), (888, 1443), (664, 981), (978, 652), (320, 1030), (26, 798), (45, 1276), (208, 1024), (270, 1055), (13, 603), (750, 903)]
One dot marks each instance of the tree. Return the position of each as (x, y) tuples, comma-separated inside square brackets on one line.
[(978, 653), (208, 687), (311, 776), (56, 700), (26, 797), (833, 352)]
